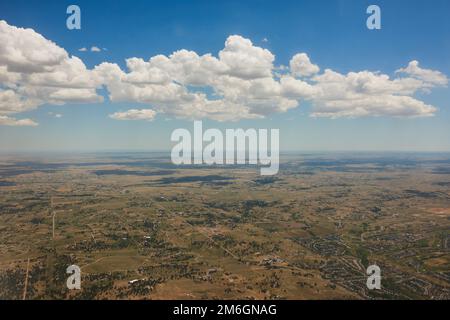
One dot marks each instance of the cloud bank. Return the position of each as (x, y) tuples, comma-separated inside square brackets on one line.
[(241, 82)]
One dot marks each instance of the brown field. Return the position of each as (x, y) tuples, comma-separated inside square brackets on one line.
[(225, 233)]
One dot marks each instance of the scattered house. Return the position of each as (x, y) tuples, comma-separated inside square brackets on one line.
[(131, 282), (270, 261)]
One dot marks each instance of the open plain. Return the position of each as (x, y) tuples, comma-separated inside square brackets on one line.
[(142, 228)]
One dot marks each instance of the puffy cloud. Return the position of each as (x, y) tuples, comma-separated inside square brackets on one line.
[(240, 82), (8, 121), (134, 114), (298, 89), (84, 49), (244, 60), (382, 105), (25, 51), (70, 73), (429, 77), (12, 102), (301, 66), (152, 72), (73, 95), (95, 49), (35, 71), (367, 94)]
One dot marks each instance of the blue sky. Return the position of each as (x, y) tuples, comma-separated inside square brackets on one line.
[(332, 33)]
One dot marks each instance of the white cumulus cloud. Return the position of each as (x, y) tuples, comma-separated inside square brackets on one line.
[(301, 66), (35, 71), (134, 114), (244, 83), (429, 77), (240, 81), (8, 121)]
